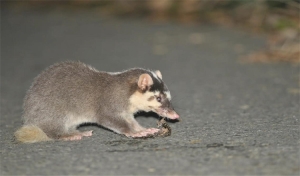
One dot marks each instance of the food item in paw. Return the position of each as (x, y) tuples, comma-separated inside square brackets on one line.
[(165, 129)]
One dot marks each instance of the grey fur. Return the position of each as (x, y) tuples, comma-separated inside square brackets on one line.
[(70, 93)]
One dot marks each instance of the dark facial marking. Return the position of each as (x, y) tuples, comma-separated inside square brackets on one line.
[(158, 99), (166, 102), (151, 98), (158, 85)]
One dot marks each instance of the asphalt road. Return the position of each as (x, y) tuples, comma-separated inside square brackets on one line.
[(237, 119)]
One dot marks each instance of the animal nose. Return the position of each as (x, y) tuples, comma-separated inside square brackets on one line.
[(175, 115)]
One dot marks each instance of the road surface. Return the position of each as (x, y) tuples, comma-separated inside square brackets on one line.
[(237, 118)]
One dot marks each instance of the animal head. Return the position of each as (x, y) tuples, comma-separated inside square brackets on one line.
[(153, 95)]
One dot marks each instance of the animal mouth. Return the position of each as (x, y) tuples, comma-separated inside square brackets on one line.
[(161, 111), (171, 114)]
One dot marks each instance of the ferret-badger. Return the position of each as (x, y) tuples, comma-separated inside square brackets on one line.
[(68, 94)]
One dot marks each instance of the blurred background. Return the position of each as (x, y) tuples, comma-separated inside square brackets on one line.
[(277, 19)]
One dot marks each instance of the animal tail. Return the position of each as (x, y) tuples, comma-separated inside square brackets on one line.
[(31, 134)]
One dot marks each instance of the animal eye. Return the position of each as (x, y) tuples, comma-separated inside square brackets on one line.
[(158, 99)]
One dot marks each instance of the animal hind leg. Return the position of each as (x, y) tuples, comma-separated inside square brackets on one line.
[(76, 135)]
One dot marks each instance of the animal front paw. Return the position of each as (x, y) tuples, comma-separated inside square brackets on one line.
[(149, 132)]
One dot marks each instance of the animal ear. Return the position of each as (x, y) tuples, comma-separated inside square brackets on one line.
[(158, 73), (145, 81)]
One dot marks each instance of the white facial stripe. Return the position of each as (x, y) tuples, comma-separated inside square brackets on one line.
[(168, 94), (139, 101), (155, 76), (156, 93)]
